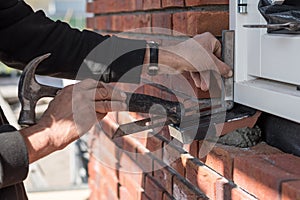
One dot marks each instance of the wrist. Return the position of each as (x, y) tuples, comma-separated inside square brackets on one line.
[(37, 141)]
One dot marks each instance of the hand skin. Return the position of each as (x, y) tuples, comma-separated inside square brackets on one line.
[(72, 113), (199, 55)]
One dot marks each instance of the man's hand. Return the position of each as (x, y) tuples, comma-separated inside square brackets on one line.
[(199, 55), (72, 113)]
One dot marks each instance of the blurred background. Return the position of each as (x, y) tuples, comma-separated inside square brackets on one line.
[(62, 175)]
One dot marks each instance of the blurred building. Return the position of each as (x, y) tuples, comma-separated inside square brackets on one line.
[(71, 11)]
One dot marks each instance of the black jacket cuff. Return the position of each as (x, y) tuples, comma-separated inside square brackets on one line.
[(14, 162)]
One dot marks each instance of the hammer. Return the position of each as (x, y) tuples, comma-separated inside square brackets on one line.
[(30, 91)]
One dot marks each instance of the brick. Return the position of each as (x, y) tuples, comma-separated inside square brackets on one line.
[(103, 23), (221, 157), (172, 3), (153, 189), (290, 190), (260, 176), (155, 146), (151, 4), (105, 151), (90, 7), (223, 189), (172, 157), (128, 164), (206, 2), (133, 182), (162, 23), (145, 197), (192, 148), (202, 177), (90, 22), (192, 23), (167, 196), (287, 162), (185, 191), (124, 193), (239, 194), (163, 175), (144, 159)]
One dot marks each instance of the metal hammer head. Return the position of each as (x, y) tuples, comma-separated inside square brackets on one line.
[(30, 91)]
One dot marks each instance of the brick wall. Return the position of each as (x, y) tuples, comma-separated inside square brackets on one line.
[(157, 166)]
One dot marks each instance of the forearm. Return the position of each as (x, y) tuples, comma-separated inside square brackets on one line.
[(25, 35)]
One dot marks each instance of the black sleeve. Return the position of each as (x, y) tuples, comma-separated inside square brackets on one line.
[(13, 159), (25, 34)]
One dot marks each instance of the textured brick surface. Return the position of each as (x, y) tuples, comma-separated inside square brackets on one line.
[(261, 175), (239, 194), (172, 3), (193, 23), (221, 157), (203, 177), (205, 2), (290, 190)]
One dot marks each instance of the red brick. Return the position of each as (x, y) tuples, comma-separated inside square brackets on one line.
[(145, 197), (192, 148), (103, 23), (153, 189), (145, 159), (223, 189), (287, 162), (133, 182), (260, 176), (192, 23), (202, 177), (239, 194), (205, 2), (104, 150), (151, 4), (90, 22), (124, 193), (290, 190), (162, 23), (172, 157), (172, 3), (155, 146), (221, 157), (167, 197), (163, 175), (90, 7), (116, 23), (183, 190), (131, 21), (128, 164)]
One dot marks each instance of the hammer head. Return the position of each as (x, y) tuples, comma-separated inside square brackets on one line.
[(30, 91)]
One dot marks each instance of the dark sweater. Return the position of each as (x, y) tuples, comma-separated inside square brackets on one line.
[(24, 35)]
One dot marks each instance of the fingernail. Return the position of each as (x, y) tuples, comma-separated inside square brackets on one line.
[(230, 73)]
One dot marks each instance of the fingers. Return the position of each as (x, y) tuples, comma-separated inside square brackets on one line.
[(196, 78), (109, 106), (205, 80), (109, 93), (217, 49), (223, 68), (201, 80)]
